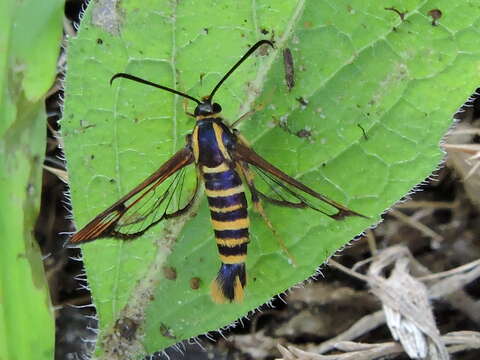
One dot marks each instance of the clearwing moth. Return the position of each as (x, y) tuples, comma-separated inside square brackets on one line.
[(224, 163)]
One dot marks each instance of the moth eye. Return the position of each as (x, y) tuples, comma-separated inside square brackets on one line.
[(217, 108)]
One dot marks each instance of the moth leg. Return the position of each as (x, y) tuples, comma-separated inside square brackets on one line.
[(257, 205), (243, 117), (185, 107)]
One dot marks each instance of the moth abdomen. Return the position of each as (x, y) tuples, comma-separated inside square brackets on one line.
[(229, 216)]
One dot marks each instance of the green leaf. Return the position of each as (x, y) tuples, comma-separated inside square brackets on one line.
[(30, 34), (357, 66)]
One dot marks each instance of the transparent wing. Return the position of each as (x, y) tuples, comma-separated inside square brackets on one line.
[(273, 185), (167, 200), (168, 192)]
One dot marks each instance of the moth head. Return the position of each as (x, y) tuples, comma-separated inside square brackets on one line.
[(206, 108)]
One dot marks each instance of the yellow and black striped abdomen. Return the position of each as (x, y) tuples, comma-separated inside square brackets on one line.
[(228, 208), (211, 141), (229, 215)]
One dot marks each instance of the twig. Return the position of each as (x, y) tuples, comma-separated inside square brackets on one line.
[(428, 204), (416, 224), (372, 243), (470, 149), (461, 269), (346, 270)]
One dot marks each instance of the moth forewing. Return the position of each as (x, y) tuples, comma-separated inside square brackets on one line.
[(146, 204)]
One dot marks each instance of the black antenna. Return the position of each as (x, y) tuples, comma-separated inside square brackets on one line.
[(234, 67), (146, 82)]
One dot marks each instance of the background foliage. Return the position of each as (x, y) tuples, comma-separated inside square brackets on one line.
[(30, 34)]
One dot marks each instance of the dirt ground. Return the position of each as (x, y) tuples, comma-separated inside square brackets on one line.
[(418, 271)]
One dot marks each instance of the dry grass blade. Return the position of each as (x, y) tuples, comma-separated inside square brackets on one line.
[(464, 156), (450, 283), (473, 160), (416, 224), (428, 204), (361, 327), (455, 342), (258, 346), (462, 340)]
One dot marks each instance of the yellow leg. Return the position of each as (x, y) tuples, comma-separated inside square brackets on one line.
[(248, 175), (185, 107), (243, 117)]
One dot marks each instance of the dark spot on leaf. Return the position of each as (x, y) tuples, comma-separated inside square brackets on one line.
[(112, 181), (169, 272), (166, 331), (264, 31), (99, 41), (398, 12), (194, 283), (126, 328), (202, 75), (435, 14), (85, 125), (302, 101), (92, 156), (303, 133), (282, 123), (289, 68), (205, 30), (363, 131)]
